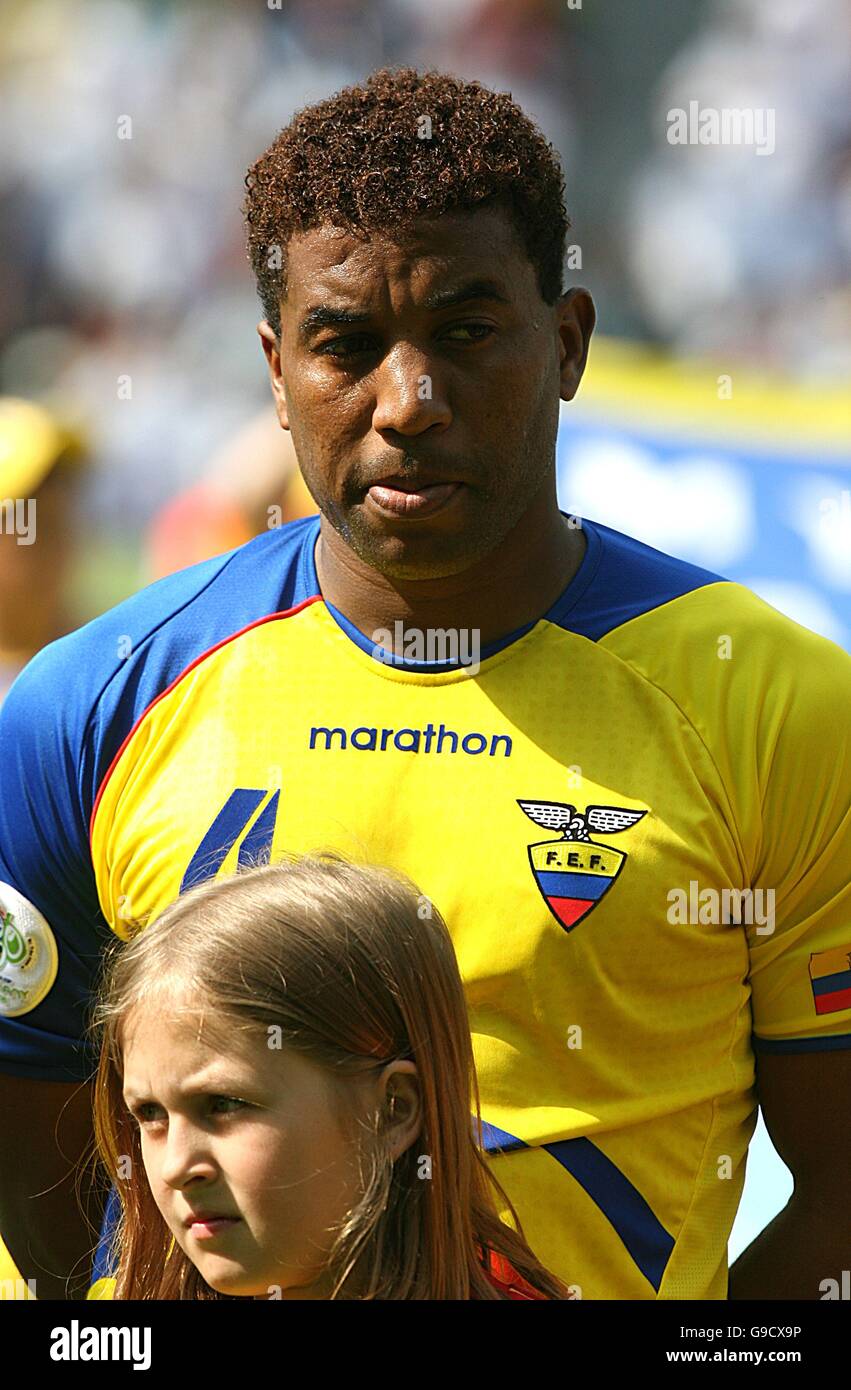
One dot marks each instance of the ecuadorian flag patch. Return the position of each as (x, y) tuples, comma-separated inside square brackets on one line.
[(830, 977)]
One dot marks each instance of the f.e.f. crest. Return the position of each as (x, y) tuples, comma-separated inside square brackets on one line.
[(574, 873)]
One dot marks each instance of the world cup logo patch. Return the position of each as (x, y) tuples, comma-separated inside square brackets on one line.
[(29, 957), (575, 873)]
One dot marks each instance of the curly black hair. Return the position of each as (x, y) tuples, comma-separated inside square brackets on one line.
[(404, 145)]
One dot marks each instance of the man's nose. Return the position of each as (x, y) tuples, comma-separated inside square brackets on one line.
[(410, 395)]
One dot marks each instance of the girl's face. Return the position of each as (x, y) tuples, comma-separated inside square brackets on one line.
[(253, 1135)]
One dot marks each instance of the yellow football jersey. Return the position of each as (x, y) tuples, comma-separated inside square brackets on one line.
[(633, 814)]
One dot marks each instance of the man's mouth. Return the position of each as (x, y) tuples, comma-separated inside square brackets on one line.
[(411, 497), (411, 482)]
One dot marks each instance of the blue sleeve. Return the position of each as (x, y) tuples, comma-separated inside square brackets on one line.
[(61, 725), (53, 931)]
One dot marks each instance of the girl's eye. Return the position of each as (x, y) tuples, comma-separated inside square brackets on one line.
[(141, 1119), (230, 1100), (139, 1115)]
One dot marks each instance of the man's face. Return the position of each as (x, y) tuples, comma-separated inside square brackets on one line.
[(428, 366)]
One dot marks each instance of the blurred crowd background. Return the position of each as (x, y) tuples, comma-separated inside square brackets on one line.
[(123, 258), (128, 309)]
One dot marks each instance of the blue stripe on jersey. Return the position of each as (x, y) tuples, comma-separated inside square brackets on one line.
[(623, 1206), (256, 848), (222, 835), (588, 886), (499, 1140), (829, 984), (838, 1043), (641, 1231)]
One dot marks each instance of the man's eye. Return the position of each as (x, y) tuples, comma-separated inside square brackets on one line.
[(332, 349), (355, 343), (483, 330)]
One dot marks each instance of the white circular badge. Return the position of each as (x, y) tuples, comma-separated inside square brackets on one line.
[(29, 957)]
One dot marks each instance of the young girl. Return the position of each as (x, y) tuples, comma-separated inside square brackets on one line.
[(283, 1099)]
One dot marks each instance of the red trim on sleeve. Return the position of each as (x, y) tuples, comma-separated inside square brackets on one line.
[(268, 618)]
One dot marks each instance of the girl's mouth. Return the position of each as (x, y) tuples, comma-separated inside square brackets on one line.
[(211, 1226)]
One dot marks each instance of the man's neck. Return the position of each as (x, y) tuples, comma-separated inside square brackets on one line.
[(512, 586)]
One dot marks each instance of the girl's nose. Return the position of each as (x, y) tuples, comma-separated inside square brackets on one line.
[(186, 1153)]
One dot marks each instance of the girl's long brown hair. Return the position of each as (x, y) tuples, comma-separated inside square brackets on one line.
[(352, 964)]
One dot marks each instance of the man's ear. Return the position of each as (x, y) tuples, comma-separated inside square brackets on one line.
[(577, 317), (272, 352)]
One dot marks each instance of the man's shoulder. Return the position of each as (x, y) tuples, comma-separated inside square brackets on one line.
[(622, 580), (738, 669), (264, 575), (170, 623), (643, 600), (75, 702)]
